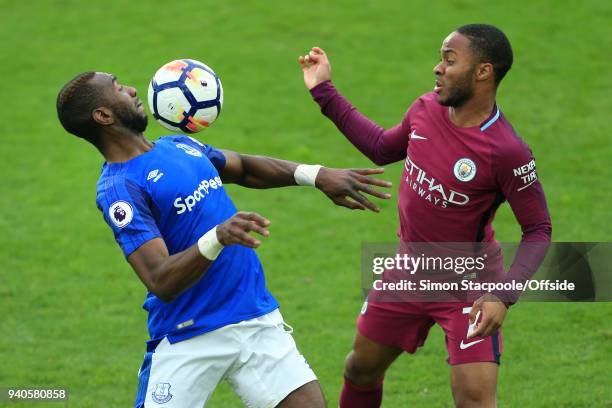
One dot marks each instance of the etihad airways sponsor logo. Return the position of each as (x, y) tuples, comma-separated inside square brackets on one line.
[(187, 203), (430, 189)]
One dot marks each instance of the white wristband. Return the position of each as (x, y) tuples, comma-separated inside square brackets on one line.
[(306, 174), (209, 245)]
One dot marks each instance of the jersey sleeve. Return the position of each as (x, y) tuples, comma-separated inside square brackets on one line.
[(518, 181), (520, 185), (216, 157), (379, 145), (127, 209)]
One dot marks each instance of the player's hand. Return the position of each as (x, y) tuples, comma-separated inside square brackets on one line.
[(345, 187), (493, 312), (316, 67), (236, 229)]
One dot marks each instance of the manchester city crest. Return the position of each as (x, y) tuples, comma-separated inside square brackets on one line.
[(161, 393), (464, 169)]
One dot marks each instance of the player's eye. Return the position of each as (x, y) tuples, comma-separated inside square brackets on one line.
[(450, 62)]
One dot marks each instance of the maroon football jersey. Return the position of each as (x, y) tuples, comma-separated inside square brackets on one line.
[(454, 178)]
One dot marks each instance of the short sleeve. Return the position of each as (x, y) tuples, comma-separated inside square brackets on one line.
[(127, 209)]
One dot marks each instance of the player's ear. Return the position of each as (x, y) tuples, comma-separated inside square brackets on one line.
[(484, 71), (103, 116)]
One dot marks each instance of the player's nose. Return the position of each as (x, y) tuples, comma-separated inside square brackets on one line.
[(437, 68), (132, 91)]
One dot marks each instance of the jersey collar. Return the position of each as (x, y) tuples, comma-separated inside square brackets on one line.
[(491, 120)]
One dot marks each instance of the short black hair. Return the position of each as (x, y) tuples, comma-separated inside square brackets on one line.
[(491, 45), (75, 104)]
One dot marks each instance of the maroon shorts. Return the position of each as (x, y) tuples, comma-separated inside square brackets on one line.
[(406, 324)]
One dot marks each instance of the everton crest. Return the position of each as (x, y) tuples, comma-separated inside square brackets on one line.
[(161, 393)]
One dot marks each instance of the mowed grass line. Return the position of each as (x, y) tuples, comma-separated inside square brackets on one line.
[(71, 305)]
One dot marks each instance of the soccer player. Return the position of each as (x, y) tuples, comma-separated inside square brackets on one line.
[(462, 160), (210, 314)]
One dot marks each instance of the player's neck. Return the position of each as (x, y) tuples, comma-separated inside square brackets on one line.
[(121, 146), (473, 112)]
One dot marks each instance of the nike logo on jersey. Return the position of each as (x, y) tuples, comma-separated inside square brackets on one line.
[(155, 175), (413, 135), (463, 345)]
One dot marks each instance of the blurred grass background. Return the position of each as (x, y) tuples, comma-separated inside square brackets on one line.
[(69, 303)]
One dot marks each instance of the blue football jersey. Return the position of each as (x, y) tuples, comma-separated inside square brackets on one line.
[(174, 192)]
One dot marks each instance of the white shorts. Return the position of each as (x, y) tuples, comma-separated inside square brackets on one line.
[(258, 357)]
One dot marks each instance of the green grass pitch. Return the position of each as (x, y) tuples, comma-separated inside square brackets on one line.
[(70, 305)]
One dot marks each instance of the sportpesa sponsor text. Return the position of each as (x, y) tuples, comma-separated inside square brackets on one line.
[(187, 203)]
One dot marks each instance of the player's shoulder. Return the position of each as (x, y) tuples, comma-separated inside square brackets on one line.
[(506, 139), (174, 139), (429, 99), (117, 180), (112, 174), (190, 145), (195, 147), (509, 150), (178, 139), (427, 102)]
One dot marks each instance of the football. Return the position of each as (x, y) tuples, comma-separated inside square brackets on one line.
[(185, 96)]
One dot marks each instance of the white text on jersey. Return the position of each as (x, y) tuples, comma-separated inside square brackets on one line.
[(427, 187), (187, 203), (527, 173)]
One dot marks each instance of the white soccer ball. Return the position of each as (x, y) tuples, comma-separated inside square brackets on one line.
[(185, 96)]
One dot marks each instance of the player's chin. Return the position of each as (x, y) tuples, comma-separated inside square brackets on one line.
[(141, 124), (446, 99), (443, 100)]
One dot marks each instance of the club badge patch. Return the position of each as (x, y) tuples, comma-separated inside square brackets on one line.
[(120, 213), (464, 169), (161, 394)]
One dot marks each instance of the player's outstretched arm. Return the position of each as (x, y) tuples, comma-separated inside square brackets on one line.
[(345, 187), (379, 145), (167, 276)]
